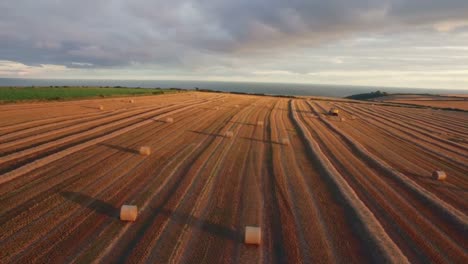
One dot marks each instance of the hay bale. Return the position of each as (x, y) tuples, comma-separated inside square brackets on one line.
[(216, 108), (131, 101), (342, 119), (285, 141), (253, 235), (439, 175), (228, 134), (334, 111), (145, 150), (128, 213), (260, 123), (236, 106), (169, 120), (101, 107)]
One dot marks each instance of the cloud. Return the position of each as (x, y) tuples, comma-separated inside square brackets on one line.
[(367, 42), (12, 69), (451, 25), (180, 33), (274, 72), (82, 64)]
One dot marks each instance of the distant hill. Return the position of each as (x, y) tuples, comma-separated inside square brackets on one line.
[(367, 96)]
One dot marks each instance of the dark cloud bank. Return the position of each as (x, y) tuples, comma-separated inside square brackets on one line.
[(100, 33)]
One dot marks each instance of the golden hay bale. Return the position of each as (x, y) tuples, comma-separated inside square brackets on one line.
[(131, 101), (169, 120), (236, 106), (334, 111), (229, 134), (260, 123), (285, 141), (253, 235), (342, 119), (439, 175), (145, 150), (216, 108), (128, 212), (101, 107)]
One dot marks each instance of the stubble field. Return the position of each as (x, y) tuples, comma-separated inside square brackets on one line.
[(441, 101), (351, 189)]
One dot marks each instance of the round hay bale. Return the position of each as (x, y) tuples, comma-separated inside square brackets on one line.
[(101, 107), (128, 213), (285, 141), (334, 111), (236, 106), (253, 235), (439, 175), (260, 123), (342, 119), (169, 120), (145, 150), (131, 101), (229, 134)]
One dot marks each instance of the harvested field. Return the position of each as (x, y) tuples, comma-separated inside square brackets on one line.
[(442, 101), (320, 189)]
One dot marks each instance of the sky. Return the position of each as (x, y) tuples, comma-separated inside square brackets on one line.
[(395, 43)]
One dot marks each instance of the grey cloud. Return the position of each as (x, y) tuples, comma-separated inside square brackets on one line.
[(178, 33)]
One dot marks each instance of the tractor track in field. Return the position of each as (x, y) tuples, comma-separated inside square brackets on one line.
[(448, 234), (182, 191), (66, 184), (375, 128), (35, 186), (32, 163), (418, 167), (421, 131), (383, 247), (135, 186)]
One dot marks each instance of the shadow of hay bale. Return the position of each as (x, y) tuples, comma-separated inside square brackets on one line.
[(99, 206)]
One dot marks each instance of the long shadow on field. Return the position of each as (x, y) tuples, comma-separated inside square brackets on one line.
[(94, 204), (204, 225), (155, 119), (124, 149), (242, 123), (439, 185), (261, 140), (205, 133), (90, 107)]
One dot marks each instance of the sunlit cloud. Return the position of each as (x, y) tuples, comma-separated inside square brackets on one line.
[(12, 69), (448, 26)]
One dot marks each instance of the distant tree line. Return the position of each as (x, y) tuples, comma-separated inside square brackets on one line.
[(367, 96)]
